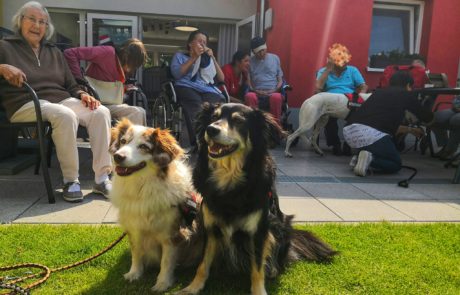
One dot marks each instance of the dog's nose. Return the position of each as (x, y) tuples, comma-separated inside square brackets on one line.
[(212, 131), (118, 158)]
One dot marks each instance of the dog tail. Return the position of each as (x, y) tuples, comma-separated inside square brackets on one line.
[(306, 246)]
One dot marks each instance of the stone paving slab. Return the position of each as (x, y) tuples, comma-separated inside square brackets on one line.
[(362, 210), (307, 210), (426, 210)]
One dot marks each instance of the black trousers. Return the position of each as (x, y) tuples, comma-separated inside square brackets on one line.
[(191, 101), (331, 130)]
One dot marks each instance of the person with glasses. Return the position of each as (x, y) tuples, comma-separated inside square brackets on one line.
[(29, 56)]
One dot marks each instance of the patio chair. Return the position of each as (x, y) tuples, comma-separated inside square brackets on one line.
[(43, 136)]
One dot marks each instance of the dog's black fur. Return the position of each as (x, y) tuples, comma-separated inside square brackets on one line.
[(242, 218)]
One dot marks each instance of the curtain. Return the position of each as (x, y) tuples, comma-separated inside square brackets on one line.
[(226, 44)]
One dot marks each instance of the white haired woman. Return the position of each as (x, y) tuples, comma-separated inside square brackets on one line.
[(28, 56)]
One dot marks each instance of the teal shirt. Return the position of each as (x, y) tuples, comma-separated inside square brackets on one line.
[(345, 83)]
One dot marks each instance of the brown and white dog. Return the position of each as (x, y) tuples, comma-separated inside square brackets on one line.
[(151, 184)]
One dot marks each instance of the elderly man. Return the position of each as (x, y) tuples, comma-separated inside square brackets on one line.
[(265, 78)]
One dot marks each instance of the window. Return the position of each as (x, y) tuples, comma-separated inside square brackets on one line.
[(396, 27)]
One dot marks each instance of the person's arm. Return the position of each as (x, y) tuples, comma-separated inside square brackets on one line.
[(97, 54), (362, 88), (360, 84), (12, 75), (321, 80), (219, 74)]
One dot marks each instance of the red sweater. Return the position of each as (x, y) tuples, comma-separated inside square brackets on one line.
[(234, 82)]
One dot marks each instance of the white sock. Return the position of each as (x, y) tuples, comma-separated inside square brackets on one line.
[(101, 178)]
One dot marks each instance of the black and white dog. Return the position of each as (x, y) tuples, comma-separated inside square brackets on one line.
[(243, 223)]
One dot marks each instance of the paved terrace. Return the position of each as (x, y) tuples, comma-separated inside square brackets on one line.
[(314, 188)]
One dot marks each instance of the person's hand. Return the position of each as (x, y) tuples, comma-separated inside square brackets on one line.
[(196, 49), (130, 87), (89, 101), (208, 51), (329, 65), (261, 92), (13, 75)]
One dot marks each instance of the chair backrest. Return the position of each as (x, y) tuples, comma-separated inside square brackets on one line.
[(438, 80), (152, 80)]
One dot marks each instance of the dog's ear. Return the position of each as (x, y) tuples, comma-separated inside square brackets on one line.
[(167, 143), (203, 120), (117, 132), (264, 130)]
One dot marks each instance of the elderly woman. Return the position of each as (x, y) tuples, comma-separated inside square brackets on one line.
[(111, 64), (338, 78), (28, 56), (194, 72)]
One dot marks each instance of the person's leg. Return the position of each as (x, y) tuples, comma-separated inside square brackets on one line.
[(97, 122), (454, 134), (251, 100), (213, 97), (276, 101), (190, 101), (64, 123), (439, 128), (332, 135), (135, 114), (385, 156)]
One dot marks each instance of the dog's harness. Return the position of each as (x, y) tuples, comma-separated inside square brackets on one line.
[(354, 101)]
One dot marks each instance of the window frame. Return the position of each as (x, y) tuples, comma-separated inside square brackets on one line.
[(415, 7)]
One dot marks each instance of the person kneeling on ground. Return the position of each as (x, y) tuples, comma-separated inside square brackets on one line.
[(371, 128)]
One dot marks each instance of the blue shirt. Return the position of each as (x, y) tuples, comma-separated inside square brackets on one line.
[(186, 80), (345, 83), (264, 73)]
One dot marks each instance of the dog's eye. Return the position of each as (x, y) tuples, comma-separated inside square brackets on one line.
[(143, 147), (237, 118), (123, 141)]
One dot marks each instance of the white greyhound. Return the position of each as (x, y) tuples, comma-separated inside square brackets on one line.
[(315, 111)]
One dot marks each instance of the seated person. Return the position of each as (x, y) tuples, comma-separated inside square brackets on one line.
[(448, 119), (236, 76), (28, 56), (265, 78), (111, 64), (194, 72), (338, 78), (371, 128)]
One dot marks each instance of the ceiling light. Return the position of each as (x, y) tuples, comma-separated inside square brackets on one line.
[(184, 27)]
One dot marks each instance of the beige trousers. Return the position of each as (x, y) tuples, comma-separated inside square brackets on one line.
[(65, 118), (135, 114)]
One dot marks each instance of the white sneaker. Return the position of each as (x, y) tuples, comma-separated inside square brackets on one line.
[(353, 161), (364, 160), (103, 188), (72, 192)]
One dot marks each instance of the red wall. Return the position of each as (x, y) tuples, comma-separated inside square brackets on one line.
[(303, 30)]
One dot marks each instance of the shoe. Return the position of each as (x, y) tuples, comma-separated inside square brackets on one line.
[(72, 192), (353, 161), (103, 188), (364, 160)]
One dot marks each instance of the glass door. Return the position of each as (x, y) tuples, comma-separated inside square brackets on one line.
[(118, 28), (245, 31)]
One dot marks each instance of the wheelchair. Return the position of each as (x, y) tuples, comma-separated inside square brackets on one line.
[(167, 112)]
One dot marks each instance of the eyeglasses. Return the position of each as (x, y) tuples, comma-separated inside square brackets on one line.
[(40, 22)]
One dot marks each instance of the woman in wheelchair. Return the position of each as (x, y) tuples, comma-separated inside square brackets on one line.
[(194, 73), (110, 64), (236, 76)]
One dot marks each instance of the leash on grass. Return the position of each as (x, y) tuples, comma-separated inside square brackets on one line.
[(11, 283)]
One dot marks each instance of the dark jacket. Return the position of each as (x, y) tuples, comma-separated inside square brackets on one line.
[(48, 74), (384, 110)]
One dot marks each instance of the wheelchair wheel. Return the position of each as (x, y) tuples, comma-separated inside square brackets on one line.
[(161, 113), (176, 122)]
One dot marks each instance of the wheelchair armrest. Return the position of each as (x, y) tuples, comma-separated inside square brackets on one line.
[(286, 87)]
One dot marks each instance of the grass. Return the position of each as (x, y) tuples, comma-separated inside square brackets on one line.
[(379, 258)]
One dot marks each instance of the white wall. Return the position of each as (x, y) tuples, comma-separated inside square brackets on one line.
[(231, 10)]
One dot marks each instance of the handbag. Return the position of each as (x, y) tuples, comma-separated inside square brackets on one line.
[(110, 93)]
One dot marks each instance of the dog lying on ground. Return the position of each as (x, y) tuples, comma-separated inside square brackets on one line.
[(151, 184), (315, 111), (243, 223)]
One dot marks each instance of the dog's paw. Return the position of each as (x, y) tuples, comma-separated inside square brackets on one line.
[(162, 286), (186, 291), (132, 275), (287, 154)]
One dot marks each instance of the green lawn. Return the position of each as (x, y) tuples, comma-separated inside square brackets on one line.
[(380, 258)]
